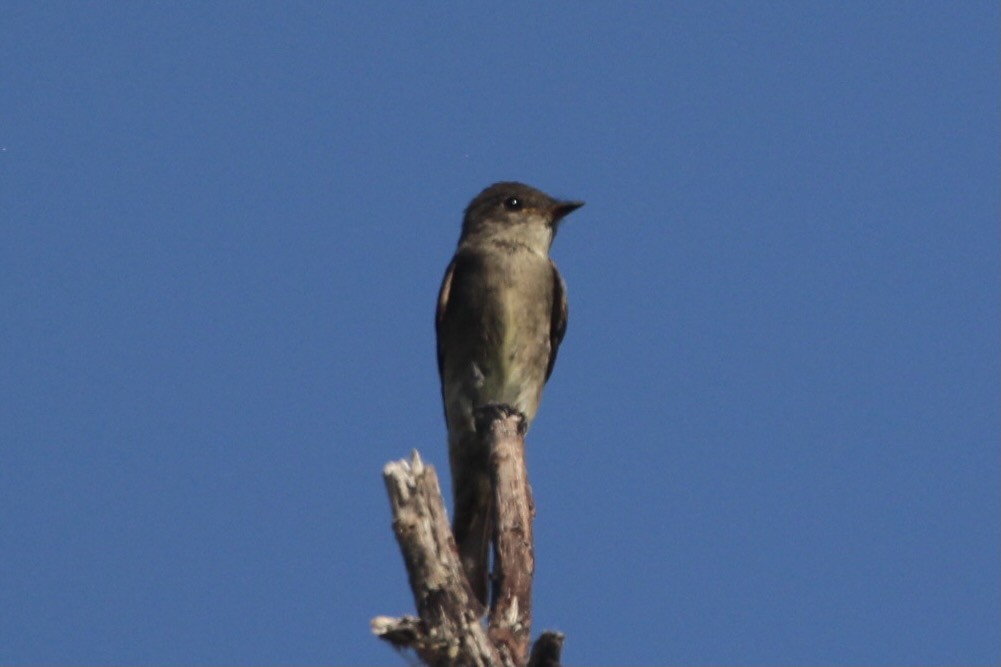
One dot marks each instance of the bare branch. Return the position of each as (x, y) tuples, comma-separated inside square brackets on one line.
[(547, 649), (510, 625), (449, 631)]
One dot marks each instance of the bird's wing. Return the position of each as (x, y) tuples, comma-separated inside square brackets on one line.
[(439, 317), (558, 322)]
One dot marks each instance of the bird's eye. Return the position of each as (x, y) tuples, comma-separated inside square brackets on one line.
[(512, 204)]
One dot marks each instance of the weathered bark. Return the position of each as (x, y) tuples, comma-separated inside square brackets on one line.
[(510, 626), (448, 630)]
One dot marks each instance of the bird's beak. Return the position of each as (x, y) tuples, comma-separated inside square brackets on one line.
[(564, 208)]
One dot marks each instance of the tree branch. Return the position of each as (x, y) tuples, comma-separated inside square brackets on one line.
[(448, 629), (503, 432)]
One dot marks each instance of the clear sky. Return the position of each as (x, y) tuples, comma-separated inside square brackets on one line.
[(772, 436)]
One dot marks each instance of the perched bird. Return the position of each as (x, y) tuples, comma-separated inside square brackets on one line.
[(502, 312)]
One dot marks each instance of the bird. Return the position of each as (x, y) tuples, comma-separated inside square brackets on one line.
[(501, 316)]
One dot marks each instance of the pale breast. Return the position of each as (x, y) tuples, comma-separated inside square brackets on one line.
[(509, 298)]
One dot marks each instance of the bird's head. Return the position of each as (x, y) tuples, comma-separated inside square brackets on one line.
[(515, 212)]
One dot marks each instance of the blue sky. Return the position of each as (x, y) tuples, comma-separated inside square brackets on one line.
[(772, 436)]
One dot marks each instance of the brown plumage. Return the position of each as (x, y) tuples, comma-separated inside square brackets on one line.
[(502, 312)]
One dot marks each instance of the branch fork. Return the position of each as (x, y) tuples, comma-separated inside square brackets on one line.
[(448, 630)]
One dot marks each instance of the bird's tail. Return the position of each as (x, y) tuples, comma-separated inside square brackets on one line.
[(472, 522)]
